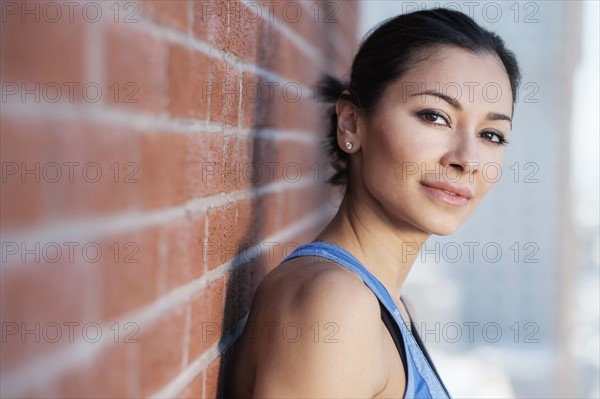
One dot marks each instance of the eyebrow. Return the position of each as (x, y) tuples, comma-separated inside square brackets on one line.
[(452, 101), (492, 116)]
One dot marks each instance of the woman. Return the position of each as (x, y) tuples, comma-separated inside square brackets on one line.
[(428, 106)]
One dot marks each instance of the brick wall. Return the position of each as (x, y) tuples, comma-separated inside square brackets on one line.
[(158, 158)]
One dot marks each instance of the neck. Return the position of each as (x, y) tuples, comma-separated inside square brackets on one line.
[(386, 249)]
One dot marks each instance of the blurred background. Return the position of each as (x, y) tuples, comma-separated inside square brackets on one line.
[(520, 314)]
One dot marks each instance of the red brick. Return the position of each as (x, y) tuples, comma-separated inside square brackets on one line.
[(229, 232), (300, 160), (188, 80), (163, 169), (267, 213), (244, 25), (288, 161), (128, 275), (68, 157), (210, 22), (169, 78), (225, 86), (37, 296), (300, 203), (279, 54), (239, 290), (309, 22), (41, 51), (207, 319), (107, 376), (344, 35), (266, 156), (302, 72), (173, 13), (195, 390), (205, 163), (110, 150), (22, 146), (40, 392), (239, 170), (262, 103), (272, 214), (341, 22), (270, 43), (136, 58), (161, 351), (252, 92), (267, 103), (308, 73), (304, 115), (83, 170), (342, 61), (211, 384), (184, 252), (196, 245), (348, 16)]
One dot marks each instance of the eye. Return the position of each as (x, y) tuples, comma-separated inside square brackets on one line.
[(494, 137), (434, 117)]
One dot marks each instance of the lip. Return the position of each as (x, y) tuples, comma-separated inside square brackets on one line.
[(437, 190)]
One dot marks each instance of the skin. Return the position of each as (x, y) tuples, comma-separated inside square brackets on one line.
[(385, 217)]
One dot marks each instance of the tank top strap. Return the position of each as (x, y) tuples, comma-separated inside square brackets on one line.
[(422, 381)]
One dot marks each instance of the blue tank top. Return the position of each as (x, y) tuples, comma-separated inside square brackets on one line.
[(422, 379)]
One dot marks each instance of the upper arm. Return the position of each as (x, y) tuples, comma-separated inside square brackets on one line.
[(324, 342)]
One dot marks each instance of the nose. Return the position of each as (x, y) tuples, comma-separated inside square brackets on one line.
[(462, 155)]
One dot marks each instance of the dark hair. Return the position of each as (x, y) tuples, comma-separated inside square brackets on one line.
[(390, 50)]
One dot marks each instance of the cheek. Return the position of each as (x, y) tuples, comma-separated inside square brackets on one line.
[(491, 171), (390, 156), (402, 141)]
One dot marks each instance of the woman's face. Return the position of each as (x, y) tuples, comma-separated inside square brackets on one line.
[(434, 146)]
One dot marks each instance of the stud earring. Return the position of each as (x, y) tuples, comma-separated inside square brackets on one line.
[(349, 145)]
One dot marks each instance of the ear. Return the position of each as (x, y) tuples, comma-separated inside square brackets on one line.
[(348, 126)]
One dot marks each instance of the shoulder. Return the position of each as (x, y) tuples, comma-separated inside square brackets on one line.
[(318, 290), (326, 331)]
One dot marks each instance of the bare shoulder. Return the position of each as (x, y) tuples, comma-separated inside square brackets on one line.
[(316, 332), (317, 290)]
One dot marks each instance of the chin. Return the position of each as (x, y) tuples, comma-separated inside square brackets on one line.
[(445, 226), (443, 232), (443, 222)]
